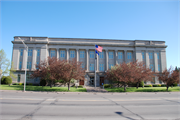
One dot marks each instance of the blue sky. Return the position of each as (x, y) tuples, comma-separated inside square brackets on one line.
[(118, 19)]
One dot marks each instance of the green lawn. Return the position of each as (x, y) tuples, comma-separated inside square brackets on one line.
[(40, 88), (145, 89)]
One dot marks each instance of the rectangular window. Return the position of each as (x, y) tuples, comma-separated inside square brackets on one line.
[(28, 77), (101, 55), (82, 54), (129, 55), (120, 55), (110, 55), (158, 56), (21, 52), (91, 54), (101, 67), (38, 52), (53, 53), (62, 54), (29, 52), (37, 63), (20, 65), (19, 78), (91, 67), (159, 67), (82, 65), (150, 55), (143, 56), (28, 65), (151, 67), (72, 54), (110, 65)]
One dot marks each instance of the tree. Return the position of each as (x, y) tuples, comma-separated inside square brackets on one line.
[(4, 63), (169, 76), (54, 69)]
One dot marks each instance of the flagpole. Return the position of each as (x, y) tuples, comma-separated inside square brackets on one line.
[(95, 66)]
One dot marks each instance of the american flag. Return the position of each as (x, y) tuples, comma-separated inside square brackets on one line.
[(99, 48)]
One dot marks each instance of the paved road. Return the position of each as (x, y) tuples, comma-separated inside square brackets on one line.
[(17, 105)]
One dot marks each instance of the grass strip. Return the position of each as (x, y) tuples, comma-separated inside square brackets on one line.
[(40, 88)]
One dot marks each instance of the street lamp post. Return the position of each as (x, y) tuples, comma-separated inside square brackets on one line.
[(25, 63)]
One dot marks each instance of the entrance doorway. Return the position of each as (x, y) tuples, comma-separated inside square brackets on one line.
[(91, 81), (101, 80), (81, 82)]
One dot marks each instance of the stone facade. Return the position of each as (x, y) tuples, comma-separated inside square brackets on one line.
[(153, 53)]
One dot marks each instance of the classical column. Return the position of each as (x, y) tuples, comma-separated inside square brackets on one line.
[(77, 54), (147, 59), (67, 53), (107, 67), (125, 56), (24, 65), (116, 57), (57, 49), (87, 59), (155, 62), (34, 58)]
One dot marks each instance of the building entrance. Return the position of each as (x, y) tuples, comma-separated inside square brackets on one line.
[(81, 82), (101, 80), (91, 81)]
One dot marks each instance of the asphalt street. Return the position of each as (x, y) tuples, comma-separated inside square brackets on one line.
[(18, 105)]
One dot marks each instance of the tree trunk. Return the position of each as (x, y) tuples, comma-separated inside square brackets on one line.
[(124, 87), (167, 87), (68, 86), (137, 85), (51, 85), (118, 84)]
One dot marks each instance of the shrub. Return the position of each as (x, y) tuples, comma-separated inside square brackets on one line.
[(141, 84), (2, 79), (107, 85), (20, 83), (146, 86), (7, 80), (155, 86), (43, 82), (15, 83), (163, 85), (150, 85), (30, 84), (60, 81), (175, 84), (159, 85), (80, 86)]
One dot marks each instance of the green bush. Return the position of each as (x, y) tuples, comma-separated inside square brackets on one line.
[(80, 86), (175, 84), (15, 83), (155, 86), (146, 86), (150, 85), (163, 85), (7, 80), (159, 85), (107, 85), (141, 84), (30, 84), (43, 82), (60, 81), (21, 83), (2, 79)]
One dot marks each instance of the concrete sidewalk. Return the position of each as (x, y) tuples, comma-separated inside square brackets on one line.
[(98, 89)]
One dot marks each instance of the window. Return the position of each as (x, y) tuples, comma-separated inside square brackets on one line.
[(82, 65), (110, 65), (91, 54), (28, 77), (110, 55), (81, 54), (19, 78), (158, 56), (151, 67), (62, 53), (28, 65), (72, 54), (21, 52), (150, 55), (38, 52), (101, 55), (53, 54), (29, 52), (37, 63), (159, 67), (20, 65), (101, 67), (129, 55), (153, 80), (91, 67), (120, 55), (143, 55)]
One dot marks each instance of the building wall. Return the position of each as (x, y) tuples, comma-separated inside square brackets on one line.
[(110, 47)]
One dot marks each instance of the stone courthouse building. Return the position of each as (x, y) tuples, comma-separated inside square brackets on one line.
[(153, 53)]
